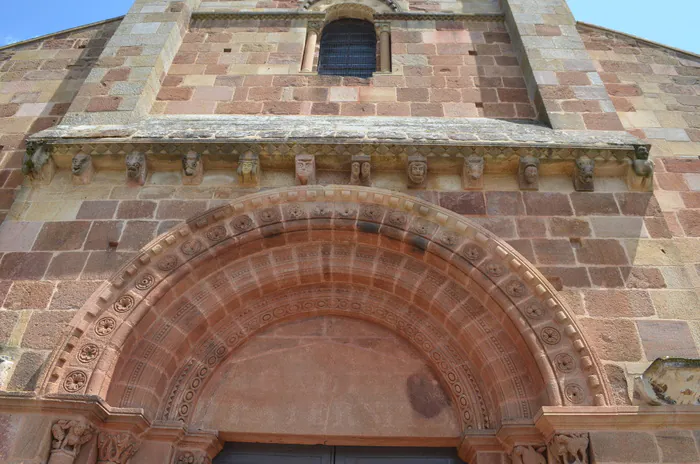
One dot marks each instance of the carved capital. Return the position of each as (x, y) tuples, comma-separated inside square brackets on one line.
[(382, 26), (314, 26), (191, 457), (569, 448), (116, 447), (529, 454), (67, 437)]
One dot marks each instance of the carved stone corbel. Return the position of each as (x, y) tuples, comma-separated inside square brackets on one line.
[(583, 174), (136, 169), (68, 436), (640, 176), (529, 173), (249, 169), (116, 447), (473, 173), (82, 169), (38, 164), (529, 454), (305, 169), (191, 457), (192, 169), (417, 171), (571, 448), (360, 170)]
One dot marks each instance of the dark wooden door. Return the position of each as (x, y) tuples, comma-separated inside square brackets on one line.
[(253, 453)]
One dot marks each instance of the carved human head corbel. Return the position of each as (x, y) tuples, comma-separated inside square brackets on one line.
[(136, 169), (248, 169), (305, 168), (473, 172), (417, 171), (360, 170), (529, 173), (82, 169), (583, 174), (192, 168)]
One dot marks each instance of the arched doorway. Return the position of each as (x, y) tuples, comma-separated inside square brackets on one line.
[(490, 329)]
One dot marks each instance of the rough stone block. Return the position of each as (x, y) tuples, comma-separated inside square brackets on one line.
[(61, 236), (667, 338), (29, 295), (18, 236), (72, 295), (677, 304), (67, 265), (618, 303), (28, 372), (136, 209), (547, 204), (556, 251), (45, 329), (504, 204), (569, 227), (96, 209), (613, 340), (601, 252), (623, 447), (24, 266), (464, 202), (677, 446), (587, 204)]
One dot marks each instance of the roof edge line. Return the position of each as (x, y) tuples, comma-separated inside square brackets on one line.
[(65, 31), (641, 39)]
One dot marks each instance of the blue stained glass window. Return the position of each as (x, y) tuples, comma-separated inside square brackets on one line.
[(348, 48)]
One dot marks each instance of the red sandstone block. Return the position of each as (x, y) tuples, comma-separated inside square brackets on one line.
[(325, 109), (239, 108), (194, 37), (658, 227), (623, 90), (418, 70), (672, 181), (102, 233), (682, 165), (513, 96), (601, 252), (393, 109), (526, 111), (215, 69), (175, 93), (506, 61), (61, 236), (219, 37), (280, 107), (557, 92), (531, 227), (208, 58), (587, 204), (514, 82), (257, 81), (547, 204), (690, 221), (445, 95), (557, 251), (456, 60), (602, 121), (573, 78), (454, 48), (289, 81), (449, 25), (447, 70), (412, 95), (358, 109), (213, 94), (499, 110), (406, 37), (313, 94), (67, 265), (427, 109), (29, 295), (24, 266), (425, 82), (8, 109), (421, 49), (389, 81), (264, 94), (461, 110)]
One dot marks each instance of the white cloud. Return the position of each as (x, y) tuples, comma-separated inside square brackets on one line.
[(8, 39)]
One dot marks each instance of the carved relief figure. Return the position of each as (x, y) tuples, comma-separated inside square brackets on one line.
[(583, 174), (360, 170), (305, 166), (569, 449), (417, 171), (248, 169), (192, 169), (82, 169), (38, 164), (528, 173), (641, 174), (116, 447), (473, 173), (68, 436), (529, 455), (136, 169)]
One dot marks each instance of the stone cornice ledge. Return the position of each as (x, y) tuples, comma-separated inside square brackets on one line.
[(615, 418), (228, 14), (378, 135)]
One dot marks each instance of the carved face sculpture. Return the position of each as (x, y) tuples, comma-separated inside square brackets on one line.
[(476, 167), (530, 174), (80, 162), (355, 172), (190, 162), (585, 171), (417, 171), (366, 169), (305, 167), (247, 167), (134, 165)]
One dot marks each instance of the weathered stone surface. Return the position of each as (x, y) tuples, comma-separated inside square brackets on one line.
[(136, 209), (569, 227), (623, 447), (61, 236), (556, 251), (29, 295), (72, 295), (618, 383), (97, 209), (614, 339), (589, 204), (504, 203), (67, 265), (102, 233), (28, 371), (101, 264), (8, 319), (601, 251), (24, 266), (547, 204), (667, 338), (45, 329), (618, 303), (463, 202), (677, 446), (677, 304)]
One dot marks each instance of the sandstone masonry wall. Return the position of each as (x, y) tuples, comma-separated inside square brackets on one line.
[(440, 68)]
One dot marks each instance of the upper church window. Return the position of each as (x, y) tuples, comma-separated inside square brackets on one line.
[(348, 48)]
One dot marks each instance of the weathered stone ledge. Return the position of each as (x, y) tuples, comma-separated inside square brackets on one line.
[(231, 14)]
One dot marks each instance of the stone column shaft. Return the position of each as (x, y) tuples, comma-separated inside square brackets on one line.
[(307, 64), (384, 51)]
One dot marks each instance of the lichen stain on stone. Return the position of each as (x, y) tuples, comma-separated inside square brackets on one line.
[(426, 395), (420, 243), (369, 227)]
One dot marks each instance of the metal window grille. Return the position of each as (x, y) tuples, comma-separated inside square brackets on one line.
[(348, 48)]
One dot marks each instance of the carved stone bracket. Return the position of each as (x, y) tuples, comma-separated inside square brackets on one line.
[(361, 170), (136, 169), (38, 163), (569, 448), (82, 169), (473, 173), (640, 176), (417, 171), (249, 170), (529, 173), (192, 168), (583, 174), (116, 447), (193, 456), (68, 436), (305, 169), (529, 454)]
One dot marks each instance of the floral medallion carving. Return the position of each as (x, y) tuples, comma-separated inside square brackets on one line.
[(295, 212), (516, 288), (105, 326), (423, 227), (473, 253), (449, 238), (372, 212), (494, 269), (191, 247), (322, 211), (397, 219), (346, 212), (269, 215), (564, 363), (145, 282), (242, 223), (168, 263), (550, 335), (216, 234), (75, 381), (88, 353), (574, 393), (534, 311), (124, 303)]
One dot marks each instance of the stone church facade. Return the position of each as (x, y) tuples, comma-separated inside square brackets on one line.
[(462, 227)]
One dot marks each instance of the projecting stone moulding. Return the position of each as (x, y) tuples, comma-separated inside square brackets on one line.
[(669, 381)]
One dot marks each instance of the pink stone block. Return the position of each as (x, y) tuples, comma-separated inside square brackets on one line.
[(213, 94)]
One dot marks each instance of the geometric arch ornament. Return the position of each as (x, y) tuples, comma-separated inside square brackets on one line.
[(496, 334)]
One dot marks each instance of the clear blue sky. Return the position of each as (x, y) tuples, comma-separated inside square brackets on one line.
[(671, 22)]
